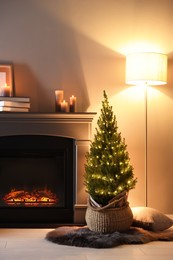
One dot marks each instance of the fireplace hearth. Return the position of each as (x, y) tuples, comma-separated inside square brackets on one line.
[(37, 180)]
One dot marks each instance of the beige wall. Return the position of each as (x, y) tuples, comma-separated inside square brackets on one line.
[(80, 46)]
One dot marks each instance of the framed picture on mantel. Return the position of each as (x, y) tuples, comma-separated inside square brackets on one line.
[(6, 80)]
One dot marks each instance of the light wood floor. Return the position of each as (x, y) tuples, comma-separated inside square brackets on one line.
[(24, 244)]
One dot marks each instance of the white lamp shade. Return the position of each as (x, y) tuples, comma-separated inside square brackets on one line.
[(146, 68)]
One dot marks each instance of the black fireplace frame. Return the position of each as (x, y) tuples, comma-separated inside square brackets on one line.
[(41, 216)]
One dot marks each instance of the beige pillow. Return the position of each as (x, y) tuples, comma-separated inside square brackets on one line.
[(150, 219)]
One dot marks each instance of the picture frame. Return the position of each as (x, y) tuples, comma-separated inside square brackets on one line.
[(6, 80)]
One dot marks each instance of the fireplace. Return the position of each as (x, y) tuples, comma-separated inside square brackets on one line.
[(75, 128), (37, 180)]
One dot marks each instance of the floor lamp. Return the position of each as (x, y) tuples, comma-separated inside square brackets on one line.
[(146, 68)]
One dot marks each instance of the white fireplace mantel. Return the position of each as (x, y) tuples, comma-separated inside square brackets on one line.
[(73, 125), (55, 123)]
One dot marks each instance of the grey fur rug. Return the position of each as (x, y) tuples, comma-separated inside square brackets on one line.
[(83, 237)]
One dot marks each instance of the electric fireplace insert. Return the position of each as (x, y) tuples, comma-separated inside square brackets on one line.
[(37, 180)]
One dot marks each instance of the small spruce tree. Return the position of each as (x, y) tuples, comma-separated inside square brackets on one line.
[(107, 170)]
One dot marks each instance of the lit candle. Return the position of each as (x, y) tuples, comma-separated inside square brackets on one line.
[(64, 106), (5, 91), (72, 104), (59, 95)]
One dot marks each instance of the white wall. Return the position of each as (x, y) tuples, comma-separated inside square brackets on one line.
[(80, 46)]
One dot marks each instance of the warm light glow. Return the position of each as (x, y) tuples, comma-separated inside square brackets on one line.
[(146, 68)]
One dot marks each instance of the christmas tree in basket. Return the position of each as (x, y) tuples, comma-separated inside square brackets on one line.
[(108, 173)]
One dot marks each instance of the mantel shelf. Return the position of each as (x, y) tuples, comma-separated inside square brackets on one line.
[(85, 116)]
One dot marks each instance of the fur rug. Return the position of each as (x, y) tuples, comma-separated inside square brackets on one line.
[(83, 237)]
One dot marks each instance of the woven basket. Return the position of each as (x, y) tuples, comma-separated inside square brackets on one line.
[(108, 220)]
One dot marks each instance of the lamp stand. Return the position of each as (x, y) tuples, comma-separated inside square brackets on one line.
[(146, 145)]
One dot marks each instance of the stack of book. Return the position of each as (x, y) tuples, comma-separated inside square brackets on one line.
[(14, 104)]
